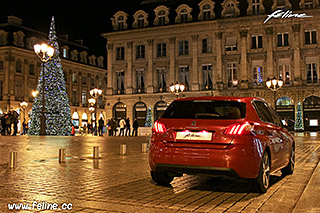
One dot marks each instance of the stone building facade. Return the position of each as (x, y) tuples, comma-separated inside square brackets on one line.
[(20, 69), (213, 49)]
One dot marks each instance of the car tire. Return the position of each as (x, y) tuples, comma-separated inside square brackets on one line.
[(262, 182), (161, 178), (288, 170)]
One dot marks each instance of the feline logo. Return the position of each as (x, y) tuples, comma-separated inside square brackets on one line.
[(285, 14)]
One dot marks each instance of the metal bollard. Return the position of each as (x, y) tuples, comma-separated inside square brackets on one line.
[(144, 146), (123, 149), (96, 152), (62, 155), (13, 160)]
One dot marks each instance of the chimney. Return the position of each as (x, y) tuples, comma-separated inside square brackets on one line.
[(14, 20), (65, 37), (80, 41)]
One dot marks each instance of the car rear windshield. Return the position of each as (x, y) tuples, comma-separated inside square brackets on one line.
[(206, 109)]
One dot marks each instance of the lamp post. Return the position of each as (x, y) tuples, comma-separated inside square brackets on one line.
[(177, 89), (95, 93), (274, 85), (44, 53)]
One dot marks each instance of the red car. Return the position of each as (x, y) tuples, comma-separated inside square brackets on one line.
[(229, 136)]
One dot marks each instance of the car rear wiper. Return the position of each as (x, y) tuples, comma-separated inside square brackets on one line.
[(206, 115)]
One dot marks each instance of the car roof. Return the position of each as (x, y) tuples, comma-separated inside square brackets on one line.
[(226, 98)]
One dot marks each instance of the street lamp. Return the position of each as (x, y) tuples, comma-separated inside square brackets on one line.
[(44, 53), (274, 85), (95, 93), (34, 93), (177, 88)]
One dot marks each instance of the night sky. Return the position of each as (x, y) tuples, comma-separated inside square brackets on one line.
[(79, 19)]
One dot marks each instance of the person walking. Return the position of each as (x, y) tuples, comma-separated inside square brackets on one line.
[(15, 117), (127, 132), (8, 122), (24, 127), (101, 125), (3, 125), (85, 129), (113, 127), (135, 127), (122, 125)]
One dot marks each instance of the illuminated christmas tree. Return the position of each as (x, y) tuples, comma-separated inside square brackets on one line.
[(148, 119), (51, 85), (298, 125)]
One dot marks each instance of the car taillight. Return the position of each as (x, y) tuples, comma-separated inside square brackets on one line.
[(159, 127), (238, 129)]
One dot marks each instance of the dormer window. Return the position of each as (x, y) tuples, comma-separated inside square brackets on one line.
[(74, 55), (308, 4), (230, 8), (206, 10), (119, 21), (83, 57), (161, 14), (255, 7), (18, 38), (140, 19), (161, 17), (64, 52), (184, 14)]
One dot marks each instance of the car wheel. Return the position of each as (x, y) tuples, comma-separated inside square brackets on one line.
[(161, 178), (288, 170), (261, 183)]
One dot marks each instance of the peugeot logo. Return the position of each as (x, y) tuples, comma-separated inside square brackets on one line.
[(193, 123)]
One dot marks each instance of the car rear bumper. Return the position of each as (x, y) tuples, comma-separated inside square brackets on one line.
[(241, 160)]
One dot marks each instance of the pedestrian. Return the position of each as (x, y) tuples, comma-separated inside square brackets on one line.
[(72, 130), (101, 125), (15, 119), (110, 133), (122, 124), (8, 122), (89, 128), (3, 125), (113, 127), (24, 127), (127, 127), (135, 127), (85, 129)]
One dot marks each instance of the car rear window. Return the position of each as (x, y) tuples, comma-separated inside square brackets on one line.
[(206, 109)]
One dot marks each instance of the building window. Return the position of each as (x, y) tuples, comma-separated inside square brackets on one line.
[(230, 10), (206, 45), (64, 52), (283, 39), (1, 90), (162, 17), (121, 23), (255, 7), (140, 21), (31, 69), (161, 50), (120, 53), (310, 36), (74, 77), (232, 74), (207, 77), (140, 51), (308, 4), (231, 44), (312, 73), (84, 98), (74, 98), (1, 65), (93, 82), (19, 66), (206, 12), (120, 82), (284, 73), (183, 16), (65, 76), (184, 76), (84, 80), (161, 80), (140, 81), (183, 47), (257, 74), (256, 41)]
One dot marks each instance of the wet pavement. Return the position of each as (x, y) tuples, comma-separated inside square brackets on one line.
[(116, 183)]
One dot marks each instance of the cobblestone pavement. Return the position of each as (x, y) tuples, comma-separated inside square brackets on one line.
[(116, 183)]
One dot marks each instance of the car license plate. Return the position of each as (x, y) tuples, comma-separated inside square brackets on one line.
[(187, 135)]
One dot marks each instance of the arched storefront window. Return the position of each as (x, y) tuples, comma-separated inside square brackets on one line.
[(311, 113), (119, 111), (140, 113), (75, 119), (159, 109), (84, 119), (285, 109)]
